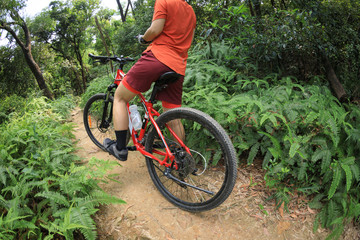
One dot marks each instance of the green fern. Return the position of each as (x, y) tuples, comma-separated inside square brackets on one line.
[(326, 161), (348, 176), (55, 197), (253, 152), (337, 173)]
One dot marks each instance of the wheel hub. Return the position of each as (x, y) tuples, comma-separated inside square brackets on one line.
[(186, 164), (102, 126)]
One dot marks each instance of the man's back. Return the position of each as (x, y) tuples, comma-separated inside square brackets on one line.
[(172, 45)]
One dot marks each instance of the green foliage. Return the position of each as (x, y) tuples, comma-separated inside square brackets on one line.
[(15, 76), (44, 191), (98, 85), (10, 104), (124, 36), (291, 39), (308, 140)]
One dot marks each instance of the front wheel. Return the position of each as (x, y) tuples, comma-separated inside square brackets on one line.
[(97, 118), (204, 178)]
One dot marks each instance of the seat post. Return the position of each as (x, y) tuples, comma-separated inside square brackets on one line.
[(155, 90)]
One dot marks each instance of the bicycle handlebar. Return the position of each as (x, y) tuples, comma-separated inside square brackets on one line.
[(106, 59)]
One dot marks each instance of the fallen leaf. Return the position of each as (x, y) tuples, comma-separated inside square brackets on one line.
[(283, 226), (257, 216), (281, 210), (310, 210)]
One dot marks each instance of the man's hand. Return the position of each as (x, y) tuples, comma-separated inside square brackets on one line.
[(142, 41)]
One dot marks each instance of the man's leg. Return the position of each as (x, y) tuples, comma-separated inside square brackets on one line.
[(121, 122), (120, 115), (176, 126)]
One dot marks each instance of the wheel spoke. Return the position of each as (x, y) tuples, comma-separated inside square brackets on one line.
[(202, 179), (95, 110)]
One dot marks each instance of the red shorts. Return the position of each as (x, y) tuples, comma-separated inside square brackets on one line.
[(146, 71)]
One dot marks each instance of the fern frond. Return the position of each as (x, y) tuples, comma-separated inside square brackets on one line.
[(326, 161), (293, 149), (253, 152), (81, 217), (55, 197), (316, 201), (355, 171), (311, 117), (302, 171), (99, 197), (320, 154), (337, 172), (266, 160), (334, 131), (348, 175)]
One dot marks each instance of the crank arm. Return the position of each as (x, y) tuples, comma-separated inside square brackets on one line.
[(170, 176)]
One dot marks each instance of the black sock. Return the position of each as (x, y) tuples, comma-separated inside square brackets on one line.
[(121, 139)]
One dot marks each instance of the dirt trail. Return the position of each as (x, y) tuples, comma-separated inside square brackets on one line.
[(147, 215)]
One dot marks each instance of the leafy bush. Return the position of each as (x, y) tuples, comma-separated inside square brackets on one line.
[(10, 104), (98, 85), (307, 139), (44, 193)]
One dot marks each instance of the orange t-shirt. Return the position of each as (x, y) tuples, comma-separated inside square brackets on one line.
[(172, 45)]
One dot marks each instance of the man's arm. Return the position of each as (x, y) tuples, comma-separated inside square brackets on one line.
[(154, 30)]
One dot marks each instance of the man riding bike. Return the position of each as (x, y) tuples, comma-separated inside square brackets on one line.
[(170, 36)]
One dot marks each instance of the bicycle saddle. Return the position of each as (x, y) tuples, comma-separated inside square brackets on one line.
[(167, 78), (163, 81)]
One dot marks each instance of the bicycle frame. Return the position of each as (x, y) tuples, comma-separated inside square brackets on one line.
[(139, 137)]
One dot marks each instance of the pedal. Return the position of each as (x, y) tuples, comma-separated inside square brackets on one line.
[(131, 148)]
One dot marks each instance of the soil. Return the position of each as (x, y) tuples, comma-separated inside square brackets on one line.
[(246, 214)]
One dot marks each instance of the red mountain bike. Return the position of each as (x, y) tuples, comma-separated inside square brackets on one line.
[(196, 172)]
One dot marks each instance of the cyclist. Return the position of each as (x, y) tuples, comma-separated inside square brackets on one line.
[(170, 36)]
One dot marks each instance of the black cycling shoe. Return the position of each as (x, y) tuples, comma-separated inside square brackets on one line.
[(110, 146)]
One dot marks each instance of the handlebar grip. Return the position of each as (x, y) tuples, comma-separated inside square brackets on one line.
[(98, 57), (105, 59)]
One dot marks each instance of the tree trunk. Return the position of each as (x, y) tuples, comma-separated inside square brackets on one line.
[(273, 4), (35, 69), (282, 3), (26, 49), (81, 62), (257, 6), (251, 8), (103, 40), (122, 14), (334, 81), (123, 19)]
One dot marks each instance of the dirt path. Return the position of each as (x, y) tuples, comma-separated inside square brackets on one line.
[(147, 215)]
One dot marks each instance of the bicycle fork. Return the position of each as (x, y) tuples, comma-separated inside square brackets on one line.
[(106, 122)]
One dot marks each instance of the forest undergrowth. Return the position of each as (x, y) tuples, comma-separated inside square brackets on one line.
[(46, 193)]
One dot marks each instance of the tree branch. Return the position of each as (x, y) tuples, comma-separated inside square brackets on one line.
[(15, 36)]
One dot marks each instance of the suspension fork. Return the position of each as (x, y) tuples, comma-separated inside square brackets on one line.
[(105, 122)]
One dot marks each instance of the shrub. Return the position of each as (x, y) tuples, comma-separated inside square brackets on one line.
[(307, 139), (44, 192), (98, 85)]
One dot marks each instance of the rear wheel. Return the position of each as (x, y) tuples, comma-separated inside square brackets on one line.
[(98, 119), (205, 177)]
